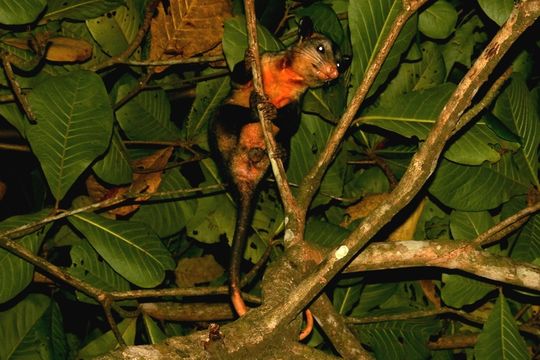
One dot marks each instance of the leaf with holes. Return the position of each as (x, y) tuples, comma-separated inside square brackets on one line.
[(131, 248), (74, 125)]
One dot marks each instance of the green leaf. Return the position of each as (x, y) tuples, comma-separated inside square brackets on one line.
[(497, 10), (306, 146), (325, 234), (346, 297), (87, 266), (369, 22), (12, 113), (17, 323), (459, 291), (474, 188), (267, 223), (417, 75), (413, 114), (210, 95), (16, 273), (108, 342), (155, 334), (399, 339), (460, 48), (525, 243), (114, 167), (438, 20), (167, 216), (79, 9), (235, 40), (147, 116), (209, 221), (325, 20), (500, 337), (74, 125), (116, 30), (328, 101), (468, 225), (516, 109), (21, 11), (372, 296), (131, 248)]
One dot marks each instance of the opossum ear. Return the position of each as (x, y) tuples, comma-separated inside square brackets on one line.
[(305, 27)]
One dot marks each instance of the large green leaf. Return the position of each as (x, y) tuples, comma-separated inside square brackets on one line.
[(459, 291), (399, 339), (209, 221), (114, 167), (20, 11), (115, 31), (474, 188), (426, 73), (16, 273), (87, 266), (372, 296), (79, 9), (438, 20), (461, 46), (74, 125), (210, 95), (345, 297), (167, 216), (526, 241), (516, 109), (108, 342), (369, 22), (306, 146), (468, 225), (497, 10), (235, 40), (500, 337), (147, 116), (12, 113), (131, 248), (325, 20), (17, 324), (413, 114)]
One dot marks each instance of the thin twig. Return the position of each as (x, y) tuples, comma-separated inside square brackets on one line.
[(503, 228), (141, 83), (15, 147), (192, 60), (10, 75), (485, 102)]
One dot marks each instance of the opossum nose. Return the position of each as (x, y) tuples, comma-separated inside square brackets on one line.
[(329, 72)]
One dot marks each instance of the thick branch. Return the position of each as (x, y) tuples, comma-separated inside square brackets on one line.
[(447, 255)]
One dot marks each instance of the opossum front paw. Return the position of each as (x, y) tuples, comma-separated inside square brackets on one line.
[(268, 109)]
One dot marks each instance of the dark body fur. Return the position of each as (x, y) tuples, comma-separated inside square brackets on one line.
[(236, 134)]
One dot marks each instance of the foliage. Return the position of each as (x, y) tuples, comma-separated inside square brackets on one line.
[(86, 125)]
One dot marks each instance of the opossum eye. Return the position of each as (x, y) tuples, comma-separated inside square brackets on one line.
[(320, 49)]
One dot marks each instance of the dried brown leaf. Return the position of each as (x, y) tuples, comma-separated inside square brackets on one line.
[(146, 179), (187, 28), (199, 270)]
